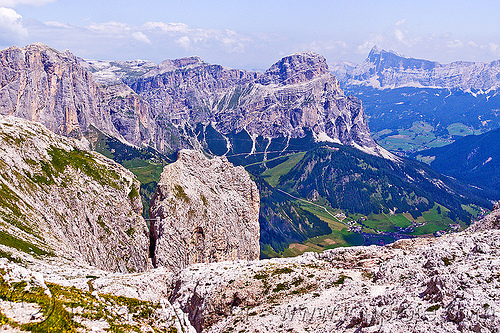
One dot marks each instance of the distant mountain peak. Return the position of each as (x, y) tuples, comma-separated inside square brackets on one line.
[(296, 68), (375, 50), (379, 51), (188, 62)]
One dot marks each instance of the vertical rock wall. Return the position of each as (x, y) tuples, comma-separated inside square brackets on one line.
[(208, 211)]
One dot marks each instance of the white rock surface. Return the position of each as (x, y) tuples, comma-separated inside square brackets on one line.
[(447, 284), (209, 212)]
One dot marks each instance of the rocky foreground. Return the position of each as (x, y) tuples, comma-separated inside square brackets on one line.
[(448, 284)]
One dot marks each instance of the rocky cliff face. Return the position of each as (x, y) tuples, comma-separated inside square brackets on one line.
[(297, 94), (295, 97), (387, 69), (59, 198), (130, 114), (50, 87), (57, 90), (169, 102), (208, 211)]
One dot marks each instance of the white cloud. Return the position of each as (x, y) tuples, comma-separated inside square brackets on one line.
[(166, 27), (184, 42), (399, 35), (195, 39), (141, 37), (322, 46), (11, 25), (454, 43), (14, 3), (57, 24), (401, 22), (112, 28), (373, 39)]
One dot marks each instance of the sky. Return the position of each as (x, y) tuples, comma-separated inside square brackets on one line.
[(255, 34)]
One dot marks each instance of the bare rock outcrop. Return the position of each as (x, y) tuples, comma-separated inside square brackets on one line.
[(41, 84), (59, 198), (208, 211), (490, 221), (447, 284)]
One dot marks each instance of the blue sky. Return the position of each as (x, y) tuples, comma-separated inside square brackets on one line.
[(254, 34)]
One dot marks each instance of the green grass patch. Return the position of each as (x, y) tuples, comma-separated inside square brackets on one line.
[(146, 171), (58, 314), (16, 243), (273, 175), (435, 219), (339, 237), (472, 209), (133, 193), (386, 222), (459, 129), (83, 161), (267, 251)]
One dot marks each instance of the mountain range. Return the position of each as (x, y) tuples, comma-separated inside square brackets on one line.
[(273, 123), (388, 70), (281, 163), (415, 104)]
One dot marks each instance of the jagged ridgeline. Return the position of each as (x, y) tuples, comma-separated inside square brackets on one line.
[(274, 123), (416, 104)]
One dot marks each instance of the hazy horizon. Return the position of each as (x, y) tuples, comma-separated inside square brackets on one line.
[(255, 34)]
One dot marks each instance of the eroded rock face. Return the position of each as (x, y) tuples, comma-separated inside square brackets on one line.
[(431, 285), (387, 69), (297, 94), (446, 284), (296, 68), (41, 84), (209, 212), (165, 105), (58, 197)]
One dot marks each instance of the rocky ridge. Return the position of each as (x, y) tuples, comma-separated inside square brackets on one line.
[(58, 198), (208, 211), (164, 105), (388, 69), (447, 284), (41, 84), (296, 94)]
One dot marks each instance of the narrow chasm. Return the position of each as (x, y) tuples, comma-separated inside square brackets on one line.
[(153, 236)]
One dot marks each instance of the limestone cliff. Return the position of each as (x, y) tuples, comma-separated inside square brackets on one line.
[(41, 84), (296, 95), (208, 211), (165, 105), (59, 198)]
